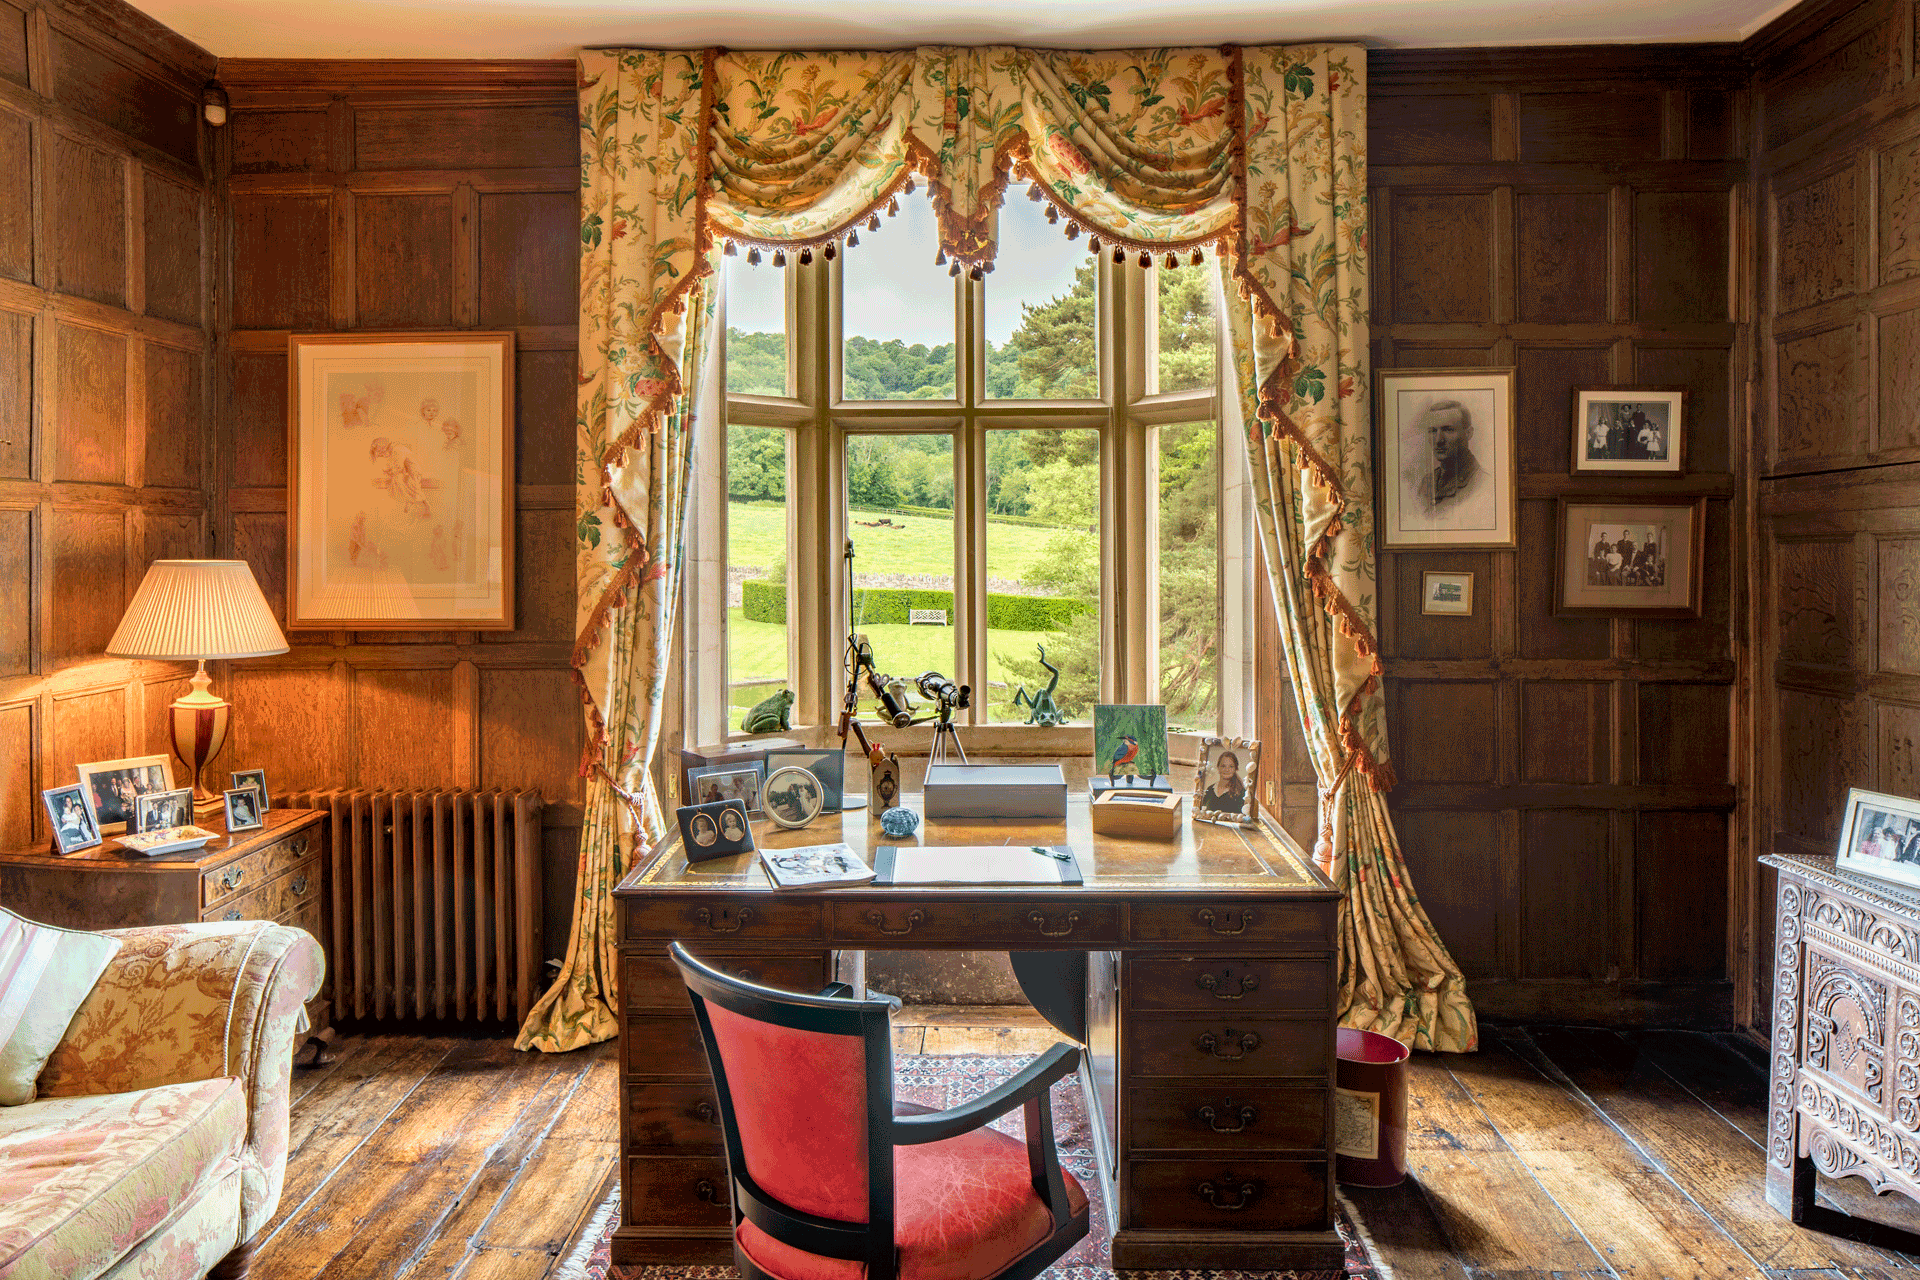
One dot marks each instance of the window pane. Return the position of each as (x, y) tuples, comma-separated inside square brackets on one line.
[(900, 520), (756, 566), (1043, 572), (1190, 576), (1042, 310), (757, 329), (1185, 334), (897, 312)]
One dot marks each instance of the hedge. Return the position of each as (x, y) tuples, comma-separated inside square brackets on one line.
[(943, 513), (764, 601)]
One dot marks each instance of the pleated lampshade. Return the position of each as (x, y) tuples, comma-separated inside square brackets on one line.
[(198, 609)]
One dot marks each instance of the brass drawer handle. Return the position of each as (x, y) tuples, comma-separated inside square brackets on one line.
[(1039, 921), (878, 920), (1206, 917), (1246, 1113), (1229, 1199), (232, 876), (1216, 987), (705, 1190), (1210, 1043), (705, 917), (299, 885), (299, 847), (703, 1112), (233, 913)]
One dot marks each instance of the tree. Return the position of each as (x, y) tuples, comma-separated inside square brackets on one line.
[(756, 464), (1189, 336), (1056, 349), (756, 363)]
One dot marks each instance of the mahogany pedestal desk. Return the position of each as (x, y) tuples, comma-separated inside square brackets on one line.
[(1211, 1010), (272, 873)]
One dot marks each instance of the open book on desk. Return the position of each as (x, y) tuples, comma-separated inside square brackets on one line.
[(976, 864), (815, 866)]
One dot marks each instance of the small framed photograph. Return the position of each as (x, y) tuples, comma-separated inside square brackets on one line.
[(792, 797), (728, 782), (1880, 837), (1628, 429), (1223, 787), (70, 814), (163, 810), (715, 830), (1640, 559), (829, 767), (255, 778), (1446, 594), (243, 810), (113, 785), (1448, 475)]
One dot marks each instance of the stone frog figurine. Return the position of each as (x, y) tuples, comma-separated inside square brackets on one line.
[(769, 715)]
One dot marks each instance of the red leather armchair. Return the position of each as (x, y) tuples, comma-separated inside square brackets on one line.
[(831, 1178)]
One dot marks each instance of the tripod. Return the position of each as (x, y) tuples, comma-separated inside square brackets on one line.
[(943, 734)]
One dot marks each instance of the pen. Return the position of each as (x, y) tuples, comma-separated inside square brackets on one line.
[(1052, 853)]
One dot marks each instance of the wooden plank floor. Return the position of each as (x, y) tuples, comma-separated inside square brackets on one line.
[(1553, 1152)]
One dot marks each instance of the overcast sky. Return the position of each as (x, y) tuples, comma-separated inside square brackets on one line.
[(893, 290)]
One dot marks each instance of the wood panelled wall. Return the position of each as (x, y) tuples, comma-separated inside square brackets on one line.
[(105, 338), (397, 196), (1565, 783), (1836, 136)]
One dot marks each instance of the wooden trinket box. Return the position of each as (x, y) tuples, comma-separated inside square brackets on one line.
[(1138, 812)]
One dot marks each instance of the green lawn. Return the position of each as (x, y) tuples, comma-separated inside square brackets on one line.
[(759, 651), (757, 534)]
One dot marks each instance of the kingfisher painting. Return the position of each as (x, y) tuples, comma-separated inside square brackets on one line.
[(1123, 758), (1130, 741)]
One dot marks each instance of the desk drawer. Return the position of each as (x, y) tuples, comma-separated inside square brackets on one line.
[(672, 1116), (1232, 1195), (1243, 1048), (652, 981), (733, 919), (663, 1044), (1304, 926), (679, 1191), (247, 873), (1230, 984), (1004, 923), (1257, 1120)]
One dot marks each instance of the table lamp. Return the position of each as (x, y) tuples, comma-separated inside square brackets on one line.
[(198, 609)]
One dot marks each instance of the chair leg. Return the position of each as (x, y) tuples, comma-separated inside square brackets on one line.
[(235, 1265)]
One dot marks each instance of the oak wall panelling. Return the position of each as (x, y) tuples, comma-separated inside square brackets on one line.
[(105, 339), (1835, 702), (1564, 793), (408, 195)]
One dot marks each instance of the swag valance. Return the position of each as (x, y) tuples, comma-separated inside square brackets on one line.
[(1254, 156)]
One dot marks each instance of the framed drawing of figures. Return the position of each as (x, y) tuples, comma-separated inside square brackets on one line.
[(400, 482), (1640, 559), (1629, 429), (1447, 468)]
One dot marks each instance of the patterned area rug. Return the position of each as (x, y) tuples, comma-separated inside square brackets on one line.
[(942, 1082)]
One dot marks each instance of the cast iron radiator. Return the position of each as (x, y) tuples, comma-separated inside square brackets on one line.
[(434, 901)]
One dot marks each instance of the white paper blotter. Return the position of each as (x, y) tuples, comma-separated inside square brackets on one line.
[(974, 864)]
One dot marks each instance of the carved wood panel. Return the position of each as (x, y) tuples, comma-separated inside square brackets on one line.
[(1829, 755), (1562, 246), (1900, 211), (1814, 601), (1681, 252), (16, 395), (1819, 415), (16, 198), (1899, 417), (1818, 241), (19, 798), (1442, 258), (1900, 605)]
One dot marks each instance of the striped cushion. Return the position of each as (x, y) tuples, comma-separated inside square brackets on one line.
[(44, 975)]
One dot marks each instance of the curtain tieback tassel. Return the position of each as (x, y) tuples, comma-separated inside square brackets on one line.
[(753, 257)]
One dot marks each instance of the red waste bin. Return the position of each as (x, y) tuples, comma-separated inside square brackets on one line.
[(1370, 1109)]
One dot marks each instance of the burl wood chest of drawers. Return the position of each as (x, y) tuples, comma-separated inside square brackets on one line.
[(1210, 1049), (274, 873), (1845, 1076)]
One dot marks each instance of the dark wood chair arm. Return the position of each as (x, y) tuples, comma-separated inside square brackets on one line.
[(836, 991), (1031, 1084)]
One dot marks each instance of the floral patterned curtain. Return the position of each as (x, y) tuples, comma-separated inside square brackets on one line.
[(1256, 154)]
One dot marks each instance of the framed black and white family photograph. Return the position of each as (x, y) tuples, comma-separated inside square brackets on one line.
[(1629, 429), (728, 782), (71, 817), (1880, 836), (1447, 463), (1630, 558), (714, 830)]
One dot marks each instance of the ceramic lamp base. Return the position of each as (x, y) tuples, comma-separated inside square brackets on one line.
[(198, 724)]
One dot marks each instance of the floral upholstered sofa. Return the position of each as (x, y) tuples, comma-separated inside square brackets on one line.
[(156, 1142)]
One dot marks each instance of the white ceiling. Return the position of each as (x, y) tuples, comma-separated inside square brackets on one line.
[(557, 28)]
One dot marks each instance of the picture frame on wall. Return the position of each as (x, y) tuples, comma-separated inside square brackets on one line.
[(1628, 558), (113, 787), (1880, 837), (1446, 594), (400, 499), (1629, 430), (1447, 464)]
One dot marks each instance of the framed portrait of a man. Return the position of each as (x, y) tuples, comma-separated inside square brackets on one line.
[(1447, 468)]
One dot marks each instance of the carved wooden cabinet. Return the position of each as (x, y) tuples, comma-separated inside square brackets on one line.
[(1845, 1076)]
